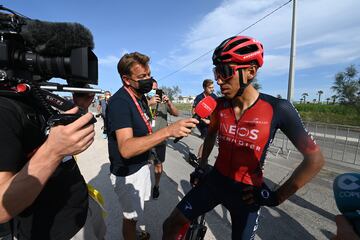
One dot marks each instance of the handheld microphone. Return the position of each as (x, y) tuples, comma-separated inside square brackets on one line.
[(347, 196), (202, 110), (55, 38)]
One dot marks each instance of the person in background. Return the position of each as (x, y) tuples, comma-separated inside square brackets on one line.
[(208, 86), (160, 106), (130, 139), (102, 110)]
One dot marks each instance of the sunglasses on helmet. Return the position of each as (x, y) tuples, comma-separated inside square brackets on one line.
[(226, 71)]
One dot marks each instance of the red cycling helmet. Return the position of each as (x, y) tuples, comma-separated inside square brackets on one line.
[(240, 50)]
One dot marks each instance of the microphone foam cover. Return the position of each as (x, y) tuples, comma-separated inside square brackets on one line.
[(205, 107)]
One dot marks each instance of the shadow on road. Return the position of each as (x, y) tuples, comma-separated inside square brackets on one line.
[(180, 147), (113, 219)]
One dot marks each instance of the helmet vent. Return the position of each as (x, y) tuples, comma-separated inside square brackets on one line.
[(225, 57), (248, 49), (234, 44)]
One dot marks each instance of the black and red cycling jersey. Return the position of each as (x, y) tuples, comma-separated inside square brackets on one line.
[(243, 143)]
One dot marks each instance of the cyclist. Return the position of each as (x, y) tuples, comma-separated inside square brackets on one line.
[(245, 122)]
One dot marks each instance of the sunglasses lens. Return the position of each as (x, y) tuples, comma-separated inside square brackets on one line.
[(223, 71)]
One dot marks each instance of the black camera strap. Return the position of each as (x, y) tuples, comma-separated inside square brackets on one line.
[(57, 101)]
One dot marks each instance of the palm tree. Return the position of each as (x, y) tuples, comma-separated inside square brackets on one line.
[(304, 95), (334, 97), (314, 100), (327, 100), (319, 93)]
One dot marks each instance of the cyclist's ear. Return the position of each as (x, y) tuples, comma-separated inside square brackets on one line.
[(250, 72)]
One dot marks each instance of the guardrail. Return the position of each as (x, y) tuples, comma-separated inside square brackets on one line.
[(337, 142)]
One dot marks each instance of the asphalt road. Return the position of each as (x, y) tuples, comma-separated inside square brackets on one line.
[(307, 215)]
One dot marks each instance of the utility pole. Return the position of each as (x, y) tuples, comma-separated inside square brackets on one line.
[(290, 92)]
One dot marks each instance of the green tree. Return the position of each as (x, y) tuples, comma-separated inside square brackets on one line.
[(327, 100), (320, 92), (171, 92), (334, 97), (304, 95), (347, 86)]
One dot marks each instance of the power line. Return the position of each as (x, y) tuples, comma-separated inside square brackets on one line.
[(204, 54)]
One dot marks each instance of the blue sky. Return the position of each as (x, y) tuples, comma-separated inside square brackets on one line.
[(173, 33)]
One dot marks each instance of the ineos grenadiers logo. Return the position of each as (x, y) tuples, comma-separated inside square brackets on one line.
[(348, 182), (242, 132)]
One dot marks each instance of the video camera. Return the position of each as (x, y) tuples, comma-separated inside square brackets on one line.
[(33, 51), (37, 51)]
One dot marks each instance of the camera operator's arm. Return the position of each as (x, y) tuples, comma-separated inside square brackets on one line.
[(130, 146), (171, 107), (19, 190)]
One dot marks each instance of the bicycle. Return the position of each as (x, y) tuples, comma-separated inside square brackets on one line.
[(196, 229)]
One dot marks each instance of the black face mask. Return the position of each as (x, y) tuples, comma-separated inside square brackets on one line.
[(145, 85)]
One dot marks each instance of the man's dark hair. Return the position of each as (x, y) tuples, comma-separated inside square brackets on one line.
[(128, 60), (207, 82)]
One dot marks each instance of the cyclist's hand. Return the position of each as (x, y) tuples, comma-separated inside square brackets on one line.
[(198, 174), (262, 196)]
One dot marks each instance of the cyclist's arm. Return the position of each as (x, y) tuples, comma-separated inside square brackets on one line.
[(313, 160), (210, 139), (309, 167)]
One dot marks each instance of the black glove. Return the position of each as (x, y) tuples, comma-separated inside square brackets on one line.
[(199, 174), (263, 196)]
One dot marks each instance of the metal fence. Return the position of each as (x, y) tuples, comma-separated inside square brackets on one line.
[(339, 143)]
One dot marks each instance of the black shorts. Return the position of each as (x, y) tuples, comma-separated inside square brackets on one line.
[(217, 189), (159, 153)]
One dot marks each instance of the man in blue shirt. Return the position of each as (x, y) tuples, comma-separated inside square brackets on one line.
[(208, 86), (130, 139)]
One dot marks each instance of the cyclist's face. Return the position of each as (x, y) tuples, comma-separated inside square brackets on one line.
[(229, 86), (229, 80)]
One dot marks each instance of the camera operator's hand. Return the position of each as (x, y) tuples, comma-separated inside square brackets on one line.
[(83, 100), (73, 138), (154, 100), (182, 128), (261, 196)]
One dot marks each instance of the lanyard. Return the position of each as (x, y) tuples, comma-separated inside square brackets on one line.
[(153, 113), (139, 110)]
